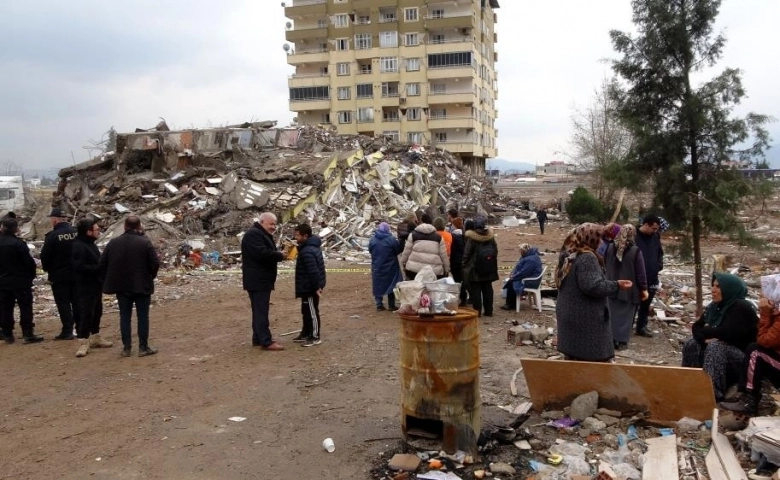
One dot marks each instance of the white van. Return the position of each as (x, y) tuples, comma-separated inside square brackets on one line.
[(11, 194)]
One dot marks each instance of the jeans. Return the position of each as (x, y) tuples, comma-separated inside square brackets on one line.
[(91, 309), (390, 300), (261, 328), (142, 303), (67, 300), (23, 298), (644, 310)]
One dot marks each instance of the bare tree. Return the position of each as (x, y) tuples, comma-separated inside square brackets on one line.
[(600, 143), (11, 168)]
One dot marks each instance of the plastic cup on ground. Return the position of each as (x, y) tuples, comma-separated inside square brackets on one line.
[(328, 445)]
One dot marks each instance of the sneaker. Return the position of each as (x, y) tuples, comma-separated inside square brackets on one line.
[(65, 336), (644, 333), (145, 351), (311, 341), (274, 347), (380, 308), (32, 338), (507, 307), (126, 351), (621, 346), (9, 337), (300, 339), (747, 404), (393, 308)]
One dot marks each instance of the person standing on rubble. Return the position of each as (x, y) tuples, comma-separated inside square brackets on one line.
[(259, 262), (385, 269), (541, 215), (649, 242), (89, 286), (16, 278), (128, 267), (56, 260), (309, 283), (425, 247), (456, 258), (480, 266)]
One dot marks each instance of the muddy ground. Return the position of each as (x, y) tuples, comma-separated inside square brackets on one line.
[(167, 416)]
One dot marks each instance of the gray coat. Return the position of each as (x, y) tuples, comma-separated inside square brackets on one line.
[(584, 330)]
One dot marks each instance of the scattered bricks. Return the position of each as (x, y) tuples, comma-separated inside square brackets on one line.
[(516, 335)]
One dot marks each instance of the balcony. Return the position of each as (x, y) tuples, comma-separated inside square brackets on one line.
[(310, 104), (451, 121), (454, 20), (454, 71), (446, 45), (299, 57), (309, 80), (460, 147), (368, 4), (300, 8), (298, 34)]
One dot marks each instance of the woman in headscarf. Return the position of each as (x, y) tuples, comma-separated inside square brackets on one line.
[(624, 261), (721, 335), (529, 265), (385, 269), (584, 330)]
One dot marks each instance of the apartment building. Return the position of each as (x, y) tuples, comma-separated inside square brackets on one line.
[(422, 71)]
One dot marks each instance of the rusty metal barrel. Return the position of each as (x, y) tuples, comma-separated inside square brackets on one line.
[(440, 379)]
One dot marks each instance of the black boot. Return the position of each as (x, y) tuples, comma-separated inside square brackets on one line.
[(747, 404), (8, 336), (28, 336)]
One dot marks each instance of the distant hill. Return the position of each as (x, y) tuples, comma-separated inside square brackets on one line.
[(509, 165)]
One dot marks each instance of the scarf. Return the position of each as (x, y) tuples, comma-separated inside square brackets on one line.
[(624, 240), (582, 239), (732, 288), (383, 227)]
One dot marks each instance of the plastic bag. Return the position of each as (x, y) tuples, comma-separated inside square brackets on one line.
[(408, 294), (569, 449), (444, 295), (425, 275)]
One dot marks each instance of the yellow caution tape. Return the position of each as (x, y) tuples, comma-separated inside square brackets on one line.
[(286, 270)]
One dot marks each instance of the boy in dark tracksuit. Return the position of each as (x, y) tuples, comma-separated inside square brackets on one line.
[(309, 282)]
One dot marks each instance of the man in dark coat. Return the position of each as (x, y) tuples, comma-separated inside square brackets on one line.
[(128, 266), (259, 260), (541, 215), (89, 286), (649, 242), (309, 283), (480, 271), (16, 277), (56, 260)]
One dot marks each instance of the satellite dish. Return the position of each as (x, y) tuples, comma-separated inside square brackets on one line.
[(288, 25), (286, 47)]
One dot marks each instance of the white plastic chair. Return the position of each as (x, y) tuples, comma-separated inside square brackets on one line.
[(536, 292)]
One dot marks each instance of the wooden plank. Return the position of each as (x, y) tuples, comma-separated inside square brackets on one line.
[(714, 468), (725, 454), (661, 458), (668, 393)]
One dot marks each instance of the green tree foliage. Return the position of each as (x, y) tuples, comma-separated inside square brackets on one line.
[(684, 134), (584, 207)]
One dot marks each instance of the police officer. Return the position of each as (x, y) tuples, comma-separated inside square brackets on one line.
[(16, 278), (56, 259)]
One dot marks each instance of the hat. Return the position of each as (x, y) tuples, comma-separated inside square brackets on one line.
[(480, 223), (57, 212)]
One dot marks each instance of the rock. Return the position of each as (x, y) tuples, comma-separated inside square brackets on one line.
[(501, 468), (593, 424), (539, 334), (609, 420), (584, 432), (536, 444), (611, 413), (610, 441), (552, 414), (479, 474), (584, 406)]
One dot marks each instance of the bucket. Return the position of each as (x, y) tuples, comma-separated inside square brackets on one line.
[(440, 379)]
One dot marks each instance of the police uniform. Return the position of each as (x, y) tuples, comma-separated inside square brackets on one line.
[(56, 259)]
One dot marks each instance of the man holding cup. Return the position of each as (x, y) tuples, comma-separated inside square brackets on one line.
[(259, 261)]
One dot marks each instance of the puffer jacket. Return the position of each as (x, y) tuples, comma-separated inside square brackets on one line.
[(425, 247), (474, 237), (769, 328), (309, 268)]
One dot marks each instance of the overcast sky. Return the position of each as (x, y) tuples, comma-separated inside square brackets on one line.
[(73, 69)]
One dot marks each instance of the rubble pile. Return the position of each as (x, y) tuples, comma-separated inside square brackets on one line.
[(211, 183)]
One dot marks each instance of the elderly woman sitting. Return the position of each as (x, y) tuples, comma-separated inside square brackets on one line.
[(721, 335), (529, 265)]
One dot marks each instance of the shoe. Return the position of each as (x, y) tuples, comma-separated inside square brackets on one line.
[(507, 307), (621, 346), (311, 341), (644, 333), (65, 336), (380, 308), (83, 347), (488, 314), (747, 404), (96, 341), (274, 347), (300, 339), (30, 337), (126, 351), (8, 337), (393, 308), (146, 351)]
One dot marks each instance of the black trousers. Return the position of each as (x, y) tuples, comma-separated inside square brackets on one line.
[(261, 325), (310, 310), (760, 363), (10, 298), (67, 300), (91, 310), (541, 227), (481, 294), (644, 311)]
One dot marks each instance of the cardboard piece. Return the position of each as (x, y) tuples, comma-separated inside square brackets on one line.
[(661, 458), (668, 393), (404, 461)]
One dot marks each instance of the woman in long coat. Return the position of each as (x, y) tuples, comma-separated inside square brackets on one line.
[(624, 261), (385, 269), (584, 329)]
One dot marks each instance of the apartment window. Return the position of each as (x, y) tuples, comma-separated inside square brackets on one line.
[(411, 39), (342, 44), (390, 116), (393, 135), (365, 115), (388, 64), (341, 20), (365, 68), (411, 14), (365, 90), (345, 116), (362, 41), (309, 93), (437, 13), (439, 113), (387, 16), (412, 89), (412, 64), (342, 68), (344, 93), (439, 60), (438, 38), (363, 20), (326, 118), (441, 137), (439, 88), (414, 114), (322, 23), (414, 137), (324, 70), (388, 39), (389, 89)]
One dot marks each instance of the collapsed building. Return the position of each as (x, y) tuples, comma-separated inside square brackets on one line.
[(211, 183)]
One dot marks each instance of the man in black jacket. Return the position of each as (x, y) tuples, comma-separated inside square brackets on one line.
[(89, 287), (309, 282), (649, 242), (16, 277), (128, 267), (259, 261), (56, 259)]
